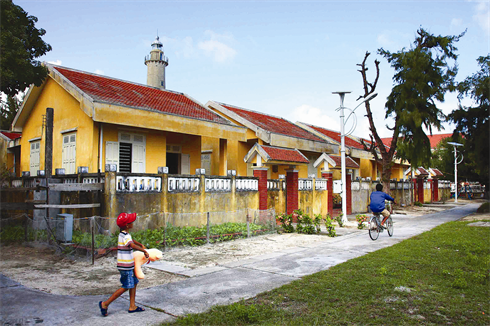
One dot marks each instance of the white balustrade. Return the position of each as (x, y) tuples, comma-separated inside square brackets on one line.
[(133, 184), (182, 184), (305, 184), (272, 185), (16, 183)]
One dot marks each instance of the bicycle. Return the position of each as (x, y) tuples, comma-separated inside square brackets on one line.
[(375, 227)]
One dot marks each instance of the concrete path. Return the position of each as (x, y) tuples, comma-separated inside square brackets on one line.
[(209, 287)]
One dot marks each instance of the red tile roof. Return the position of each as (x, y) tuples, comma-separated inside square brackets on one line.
[(423, 171), (335, 135), (273, 124), (284, 154), (349, 162), (11, 135), (437, 172), (114, 91), (386, 141), (434, 139)]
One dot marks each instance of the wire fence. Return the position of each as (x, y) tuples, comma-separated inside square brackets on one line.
[(96, 236)]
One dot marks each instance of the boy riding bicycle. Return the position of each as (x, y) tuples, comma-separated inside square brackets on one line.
[(377, 205)]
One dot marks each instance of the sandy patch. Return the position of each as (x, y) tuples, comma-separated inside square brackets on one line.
[(43, 269), (477, 217)]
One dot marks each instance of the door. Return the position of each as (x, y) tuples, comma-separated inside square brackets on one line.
[(185, 164), (69, 153), (138, 162), (112, 153), (35, 157)]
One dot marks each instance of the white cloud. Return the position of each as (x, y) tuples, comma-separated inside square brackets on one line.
[(482, 16), (456, 22), (315, 116), (216, 46), (57, 62), (384, 40), (99, 72)]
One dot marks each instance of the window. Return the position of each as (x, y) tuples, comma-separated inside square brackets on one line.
[(35, 157), (68, 153), (130, 155)]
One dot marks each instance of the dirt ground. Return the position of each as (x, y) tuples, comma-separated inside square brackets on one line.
[(42, 268)]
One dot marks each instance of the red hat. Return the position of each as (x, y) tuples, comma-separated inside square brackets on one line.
[(125, 218)]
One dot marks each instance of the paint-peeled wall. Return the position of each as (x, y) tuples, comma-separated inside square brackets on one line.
[(68, 117)]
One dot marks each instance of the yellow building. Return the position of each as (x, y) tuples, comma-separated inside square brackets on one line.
[(264, 129), (100, 120), (368, 167)]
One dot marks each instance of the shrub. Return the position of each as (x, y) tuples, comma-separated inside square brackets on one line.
[(317, 221), (329, 225), (339, 220), (419, 204), (286, 222), (361, 218), (305, 223), (484, 208)]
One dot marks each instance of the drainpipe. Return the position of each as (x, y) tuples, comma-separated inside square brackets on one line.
[(101, 134)]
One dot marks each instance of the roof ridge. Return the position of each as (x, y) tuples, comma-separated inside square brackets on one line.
[(244, 109), (352, 137)]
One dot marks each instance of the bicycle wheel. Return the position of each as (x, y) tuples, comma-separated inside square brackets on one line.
[(373, 228), (389, 226)]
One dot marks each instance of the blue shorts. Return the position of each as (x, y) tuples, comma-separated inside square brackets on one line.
[(128, 279)]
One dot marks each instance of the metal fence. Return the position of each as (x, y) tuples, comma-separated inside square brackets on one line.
[(96, 236)]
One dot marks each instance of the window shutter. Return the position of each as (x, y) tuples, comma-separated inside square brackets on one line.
[(112, 153)]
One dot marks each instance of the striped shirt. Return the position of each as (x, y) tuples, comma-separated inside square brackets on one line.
[(125, 259)]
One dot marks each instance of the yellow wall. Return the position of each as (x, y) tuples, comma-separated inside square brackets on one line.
[(397, 172), (427, 195), (67, 115), (243, 149), (210, 143), (366, 168), (3, 153)]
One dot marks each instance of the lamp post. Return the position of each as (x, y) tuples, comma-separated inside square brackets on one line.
[(456, 169), (342, 144)]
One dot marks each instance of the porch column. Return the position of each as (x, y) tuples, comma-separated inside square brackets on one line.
[(420, 190), (329, 176), (435, 189), (291, 190), (261, 173), (348, 195)]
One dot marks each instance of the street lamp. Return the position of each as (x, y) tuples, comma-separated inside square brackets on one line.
[(456, 169), (342, 143)]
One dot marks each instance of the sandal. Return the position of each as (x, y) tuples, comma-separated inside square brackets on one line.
[(102, 310), (138, 309)]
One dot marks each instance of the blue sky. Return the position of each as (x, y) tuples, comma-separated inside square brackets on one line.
[(283, 58)]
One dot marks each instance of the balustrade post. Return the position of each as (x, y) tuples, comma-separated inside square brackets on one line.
[(164, 189), (110, 198)]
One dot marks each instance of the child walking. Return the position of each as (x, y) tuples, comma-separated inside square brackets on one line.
[(125, 264)]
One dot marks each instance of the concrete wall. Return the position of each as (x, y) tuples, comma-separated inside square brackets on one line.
[(181, 207), (311, 201), (361, 191)]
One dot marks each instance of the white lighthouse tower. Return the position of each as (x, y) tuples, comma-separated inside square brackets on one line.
[(156, 63)]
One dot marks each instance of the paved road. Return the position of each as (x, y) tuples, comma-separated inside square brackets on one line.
[(216, 286)]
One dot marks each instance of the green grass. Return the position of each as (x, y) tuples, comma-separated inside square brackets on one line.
[(440, 277)]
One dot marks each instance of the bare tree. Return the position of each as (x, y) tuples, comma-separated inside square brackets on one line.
[(383, 155)]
